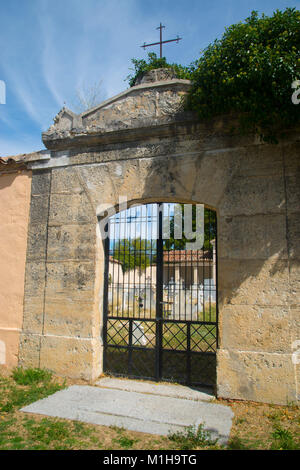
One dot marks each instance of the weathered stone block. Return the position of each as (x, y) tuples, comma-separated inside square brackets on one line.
[(68, 209), (265, 377), (290, 153), (70, 280), (293, 191), (33, 314), (71, 357), (37, 242), (294, 234), (35, 278), (252, 237), (261, 160), (65, 180), (256, 195), (29, 353), (41, 182), (253, 282), (259, 328), (71, 242), (69, 317), (39, 208), (295, 325), (294, 283)]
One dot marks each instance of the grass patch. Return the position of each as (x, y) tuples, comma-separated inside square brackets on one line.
[(236, 443), (125, 442), (26, 387), (31, 376), (263, 426), (283, 439), (255, 425), (193, 439)]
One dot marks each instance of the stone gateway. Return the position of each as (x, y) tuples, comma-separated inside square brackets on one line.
[(142, 144)]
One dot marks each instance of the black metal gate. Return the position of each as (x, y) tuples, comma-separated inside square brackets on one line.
[(160, 298)]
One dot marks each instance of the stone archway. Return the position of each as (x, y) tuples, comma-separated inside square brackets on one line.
[(141, 144)]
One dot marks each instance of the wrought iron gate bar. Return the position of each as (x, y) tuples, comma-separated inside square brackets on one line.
[(160, 301), (178, 351), (196, 322)]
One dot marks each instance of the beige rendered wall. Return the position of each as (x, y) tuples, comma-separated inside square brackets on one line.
[(14, 209)]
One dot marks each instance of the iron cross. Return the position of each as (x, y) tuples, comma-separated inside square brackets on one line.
[(161, 42)]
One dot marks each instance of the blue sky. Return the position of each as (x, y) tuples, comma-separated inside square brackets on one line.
[(51, 48)]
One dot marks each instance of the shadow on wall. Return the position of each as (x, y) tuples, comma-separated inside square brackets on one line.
[(7, 179), (257, 234)]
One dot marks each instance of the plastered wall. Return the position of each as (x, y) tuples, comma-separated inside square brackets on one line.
[(14, 209)]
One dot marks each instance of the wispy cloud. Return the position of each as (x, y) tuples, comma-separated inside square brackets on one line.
[(50, 48)]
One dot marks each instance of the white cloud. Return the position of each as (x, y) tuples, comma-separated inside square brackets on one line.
[(51, 47)]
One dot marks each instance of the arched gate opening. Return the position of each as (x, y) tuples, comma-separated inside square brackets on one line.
[(160, 293)]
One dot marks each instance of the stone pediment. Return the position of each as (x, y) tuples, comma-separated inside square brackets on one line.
[(157, 99), (66, 120)]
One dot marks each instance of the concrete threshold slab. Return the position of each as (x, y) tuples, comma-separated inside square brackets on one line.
[(152, 388), (154, 414)]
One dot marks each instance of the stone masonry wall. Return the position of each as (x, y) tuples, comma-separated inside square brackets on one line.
[(254, 187), (254, 190)]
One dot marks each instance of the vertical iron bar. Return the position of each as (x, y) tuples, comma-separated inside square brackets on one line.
[(134, 265), (209, 262), (105, 296), (130, 346), (159, 295), (188, 353), (146, 257), (124, 226), (151, 255), (216, 286), (118, 277)]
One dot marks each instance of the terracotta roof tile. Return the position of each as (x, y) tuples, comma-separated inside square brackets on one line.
[(177, 256), (17, 162)]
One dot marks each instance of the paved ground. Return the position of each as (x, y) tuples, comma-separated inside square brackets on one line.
[(138, 406)]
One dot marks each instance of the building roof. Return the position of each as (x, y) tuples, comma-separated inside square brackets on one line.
[(180, 256), (12, 164), (114, 260), (15, 163)]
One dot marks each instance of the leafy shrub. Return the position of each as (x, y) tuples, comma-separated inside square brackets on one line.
[(249, 72), (153, 62)]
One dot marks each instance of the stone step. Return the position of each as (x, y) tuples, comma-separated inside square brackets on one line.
[(156, 388), (153, 414)]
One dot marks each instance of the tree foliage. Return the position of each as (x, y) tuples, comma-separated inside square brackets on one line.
[(134, 253), (210, 230), (249, 72)]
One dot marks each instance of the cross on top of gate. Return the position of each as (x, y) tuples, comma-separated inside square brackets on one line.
[(161, 42)]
